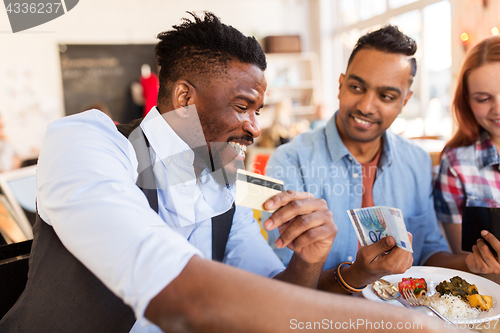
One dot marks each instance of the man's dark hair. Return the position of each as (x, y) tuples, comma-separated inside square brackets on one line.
[(388, 39), (202, 47)]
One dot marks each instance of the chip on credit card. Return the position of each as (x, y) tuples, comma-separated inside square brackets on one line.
[(252, 189)]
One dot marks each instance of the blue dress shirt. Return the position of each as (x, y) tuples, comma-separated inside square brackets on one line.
[(318, 162)]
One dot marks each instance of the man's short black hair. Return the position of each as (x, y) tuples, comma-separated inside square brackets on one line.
[(388, 39), (202, 48)]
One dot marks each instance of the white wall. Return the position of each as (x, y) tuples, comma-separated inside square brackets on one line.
[(30, 77)]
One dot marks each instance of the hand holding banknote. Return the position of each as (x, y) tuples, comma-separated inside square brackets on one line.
[(377, 260), (386, 245)]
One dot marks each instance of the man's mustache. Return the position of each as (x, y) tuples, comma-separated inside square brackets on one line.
[(244, 138), (363, 116)]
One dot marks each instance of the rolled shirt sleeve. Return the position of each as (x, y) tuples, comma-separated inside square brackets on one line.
[(246, 238)]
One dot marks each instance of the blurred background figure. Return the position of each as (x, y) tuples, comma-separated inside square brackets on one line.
[(150, 85), (279, 131), (145, 92), (322, 115), (283, 127)]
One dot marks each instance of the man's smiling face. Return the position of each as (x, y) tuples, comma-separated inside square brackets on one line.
[(227, 110), (372, 94)]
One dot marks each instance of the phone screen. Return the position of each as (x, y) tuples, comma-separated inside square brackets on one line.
[(476, 219)]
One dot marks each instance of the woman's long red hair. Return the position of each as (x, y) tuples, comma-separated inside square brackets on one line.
[(487, 51)]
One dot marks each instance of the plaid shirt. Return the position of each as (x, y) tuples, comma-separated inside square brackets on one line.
[(468, 176)]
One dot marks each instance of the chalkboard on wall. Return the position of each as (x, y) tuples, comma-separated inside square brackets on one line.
[(104, 74)]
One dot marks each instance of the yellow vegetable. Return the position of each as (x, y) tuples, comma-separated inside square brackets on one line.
[(482, 302), (472, 289)]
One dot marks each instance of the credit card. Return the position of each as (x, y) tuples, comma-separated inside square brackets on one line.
[(252, 189)]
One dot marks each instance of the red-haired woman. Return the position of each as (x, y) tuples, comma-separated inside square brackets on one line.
[(469, 172)]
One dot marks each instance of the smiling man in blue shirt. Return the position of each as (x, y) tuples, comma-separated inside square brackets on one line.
[(355, 162)]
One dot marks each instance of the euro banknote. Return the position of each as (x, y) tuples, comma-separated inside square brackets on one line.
[(373, 223)]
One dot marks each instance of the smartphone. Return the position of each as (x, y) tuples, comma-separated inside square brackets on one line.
[(476, 219)]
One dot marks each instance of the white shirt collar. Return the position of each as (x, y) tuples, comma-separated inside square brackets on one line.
[(175, 174), (165, 142)]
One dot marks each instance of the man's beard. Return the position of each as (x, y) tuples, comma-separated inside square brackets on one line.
[(224, 163), (219, 157)]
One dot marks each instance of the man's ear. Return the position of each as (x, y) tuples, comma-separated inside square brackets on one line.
[(182, 92), (182, 95), (341, 79), (407, 97)]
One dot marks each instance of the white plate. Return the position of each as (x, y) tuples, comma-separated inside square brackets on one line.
[(435, 275)]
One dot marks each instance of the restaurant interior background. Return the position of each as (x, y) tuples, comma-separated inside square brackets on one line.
[(95, 53), (303, 85)]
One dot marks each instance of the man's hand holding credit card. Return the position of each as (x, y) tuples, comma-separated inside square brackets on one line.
[(305, 223)]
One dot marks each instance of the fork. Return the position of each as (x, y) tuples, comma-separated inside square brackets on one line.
[(414, 301)]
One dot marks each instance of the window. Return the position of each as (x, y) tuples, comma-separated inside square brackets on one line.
[(429, 23)]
